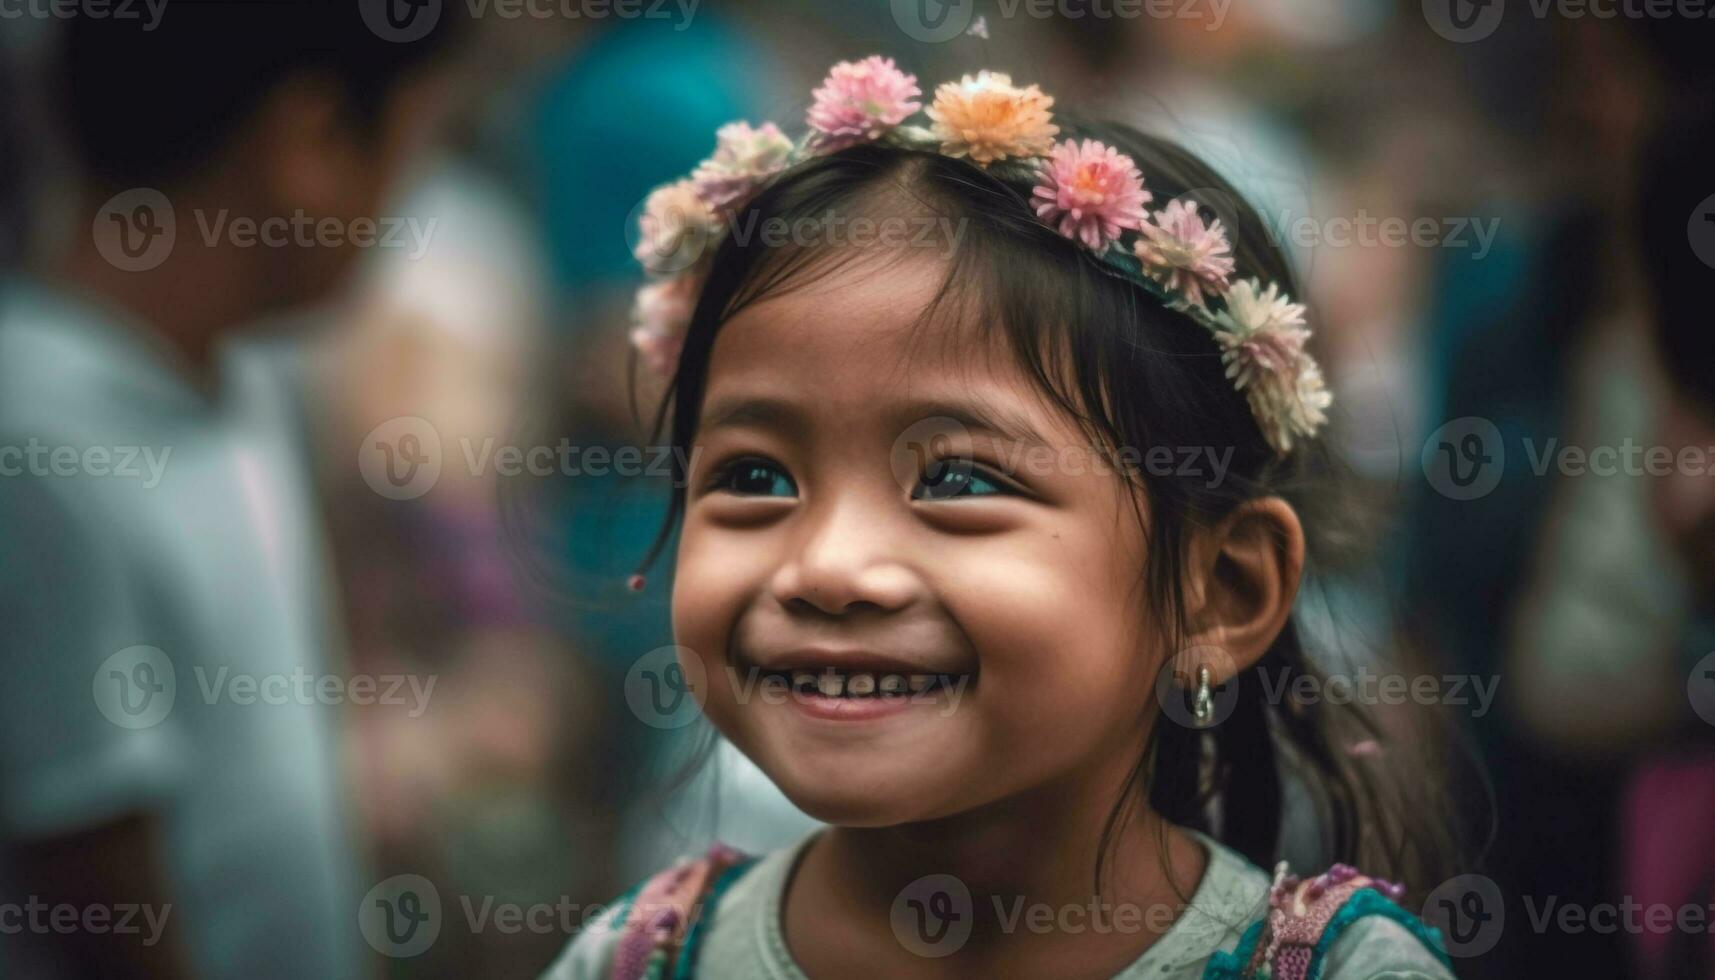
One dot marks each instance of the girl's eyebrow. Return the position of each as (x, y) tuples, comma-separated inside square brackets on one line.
[(767, 413), (979, 415), (784, 415)]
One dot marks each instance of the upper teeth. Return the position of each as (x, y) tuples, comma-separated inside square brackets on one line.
[(833, 684)]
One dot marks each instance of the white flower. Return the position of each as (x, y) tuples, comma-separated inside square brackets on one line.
[(1262, 334)]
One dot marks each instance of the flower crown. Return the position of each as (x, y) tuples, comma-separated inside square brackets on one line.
[(1087, 191)]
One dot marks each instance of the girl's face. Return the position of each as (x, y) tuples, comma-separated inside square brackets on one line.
[(826, 562)]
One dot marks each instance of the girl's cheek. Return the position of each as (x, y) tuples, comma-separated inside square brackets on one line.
[(715, 578)]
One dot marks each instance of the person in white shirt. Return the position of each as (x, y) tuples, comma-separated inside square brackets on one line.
[(170, 799)]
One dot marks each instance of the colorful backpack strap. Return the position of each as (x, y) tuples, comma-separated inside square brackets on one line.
[(1306, 916), (659, 935)]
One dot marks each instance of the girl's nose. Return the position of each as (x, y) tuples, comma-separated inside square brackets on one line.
[(844, 560)]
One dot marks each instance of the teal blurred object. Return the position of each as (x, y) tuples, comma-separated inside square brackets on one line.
[(635, 107)]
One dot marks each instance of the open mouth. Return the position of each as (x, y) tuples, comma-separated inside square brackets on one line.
[(832, 682)]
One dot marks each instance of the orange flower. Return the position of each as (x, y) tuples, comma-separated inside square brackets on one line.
[(987, 118)]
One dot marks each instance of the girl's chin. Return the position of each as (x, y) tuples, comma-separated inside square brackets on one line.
[(907, 798)]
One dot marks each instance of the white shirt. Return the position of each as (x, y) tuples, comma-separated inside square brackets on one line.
[(746, 941), (134, 512)]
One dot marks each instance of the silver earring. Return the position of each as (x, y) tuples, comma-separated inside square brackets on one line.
[(1203, 702)]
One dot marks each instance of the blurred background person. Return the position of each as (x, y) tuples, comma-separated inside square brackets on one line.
[(226, 818), (1670, 799)]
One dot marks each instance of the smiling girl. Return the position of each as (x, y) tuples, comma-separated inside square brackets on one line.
[(950, 583)]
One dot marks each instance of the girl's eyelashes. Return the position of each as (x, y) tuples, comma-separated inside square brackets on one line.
[(752, 476), (951, 478)]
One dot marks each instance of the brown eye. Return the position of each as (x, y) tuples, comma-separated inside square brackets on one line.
[(753, 476), (944, 479)]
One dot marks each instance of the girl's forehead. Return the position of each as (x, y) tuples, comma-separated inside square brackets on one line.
[(859, 340)]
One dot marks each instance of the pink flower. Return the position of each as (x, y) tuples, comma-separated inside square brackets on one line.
[(987, 118), (659, 315), (1092, 191), (860, 101), (675, 228), (1183, 255), (744, 158)]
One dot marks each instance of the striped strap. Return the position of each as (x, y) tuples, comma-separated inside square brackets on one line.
[(663, 913)]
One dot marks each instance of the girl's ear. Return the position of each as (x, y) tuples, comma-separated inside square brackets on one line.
[(1242, 578)]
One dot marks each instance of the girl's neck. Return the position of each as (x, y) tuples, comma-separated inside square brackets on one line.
[(1033, 855)]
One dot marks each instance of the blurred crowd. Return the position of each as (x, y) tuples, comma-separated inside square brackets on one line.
[(1492, 232)]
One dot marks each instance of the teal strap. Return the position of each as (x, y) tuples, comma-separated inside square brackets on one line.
[(1367, 901), (686, 968), (1231, 966), (1364, 901)]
